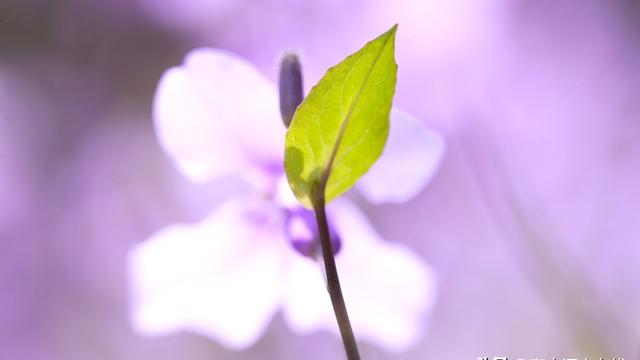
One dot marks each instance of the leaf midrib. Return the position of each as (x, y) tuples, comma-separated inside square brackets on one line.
[(327, 171)]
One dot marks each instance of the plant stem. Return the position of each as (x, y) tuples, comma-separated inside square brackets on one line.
[(333, 282)]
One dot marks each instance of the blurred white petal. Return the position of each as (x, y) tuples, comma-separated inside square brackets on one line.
[(220, 278), (388, 289), (410, 158), (216, 115)]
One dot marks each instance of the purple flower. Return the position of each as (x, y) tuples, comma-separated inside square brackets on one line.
[(226, 276)]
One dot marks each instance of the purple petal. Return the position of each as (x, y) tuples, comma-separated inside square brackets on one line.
[(388, 289), (217, 115), (410, 159), (219, 278)]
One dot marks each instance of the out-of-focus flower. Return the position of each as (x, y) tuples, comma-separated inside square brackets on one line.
[(189, 13), (17, 184), (227, 275)]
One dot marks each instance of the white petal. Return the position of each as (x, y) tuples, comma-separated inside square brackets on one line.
[(410, 159), (388, 289), (220, 278), (216, 115)]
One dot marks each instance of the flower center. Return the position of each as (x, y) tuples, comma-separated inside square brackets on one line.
[(300, 225), (302, 232)]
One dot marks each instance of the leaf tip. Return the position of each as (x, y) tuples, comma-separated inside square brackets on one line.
[(391, 34)]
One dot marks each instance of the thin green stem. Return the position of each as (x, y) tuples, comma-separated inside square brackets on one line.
[(333, 282)]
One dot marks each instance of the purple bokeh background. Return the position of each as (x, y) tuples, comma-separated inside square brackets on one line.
[(532, 223)]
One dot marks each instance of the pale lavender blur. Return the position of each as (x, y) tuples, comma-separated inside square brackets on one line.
[(532, 224)]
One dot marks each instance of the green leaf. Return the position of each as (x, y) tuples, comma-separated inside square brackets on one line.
[(341, 127)]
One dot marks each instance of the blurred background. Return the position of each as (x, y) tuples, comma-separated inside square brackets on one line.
[(532, 223)]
